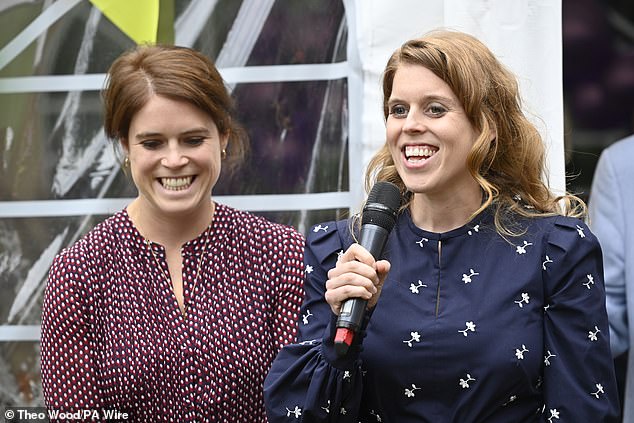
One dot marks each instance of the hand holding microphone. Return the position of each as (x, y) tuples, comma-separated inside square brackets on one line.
[(355, 278)]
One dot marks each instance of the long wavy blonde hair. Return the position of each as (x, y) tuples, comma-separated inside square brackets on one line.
[(510, 169)]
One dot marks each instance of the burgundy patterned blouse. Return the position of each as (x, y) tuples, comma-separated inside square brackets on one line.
[(114, 338)]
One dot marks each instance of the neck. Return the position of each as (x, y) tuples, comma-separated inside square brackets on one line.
[(171, 231), (443, 215)]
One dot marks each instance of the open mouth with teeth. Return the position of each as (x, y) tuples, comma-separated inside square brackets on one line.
[(176, 184), (417, 153)]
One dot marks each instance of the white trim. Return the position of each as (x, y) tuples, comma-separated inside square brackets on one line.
[(17, 333), (192, 20), (33, 30), (95, 82), (107, 206), (245, 32), (356, 166)]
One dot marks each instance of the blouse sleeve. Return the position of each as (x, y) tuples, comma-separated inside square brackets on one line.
[(579, 381), (68, 350), (308, 381), (289, 290)]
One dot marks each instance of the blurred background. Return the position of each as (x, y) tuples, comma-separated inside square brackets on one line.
[(290, 66), (598, 70)]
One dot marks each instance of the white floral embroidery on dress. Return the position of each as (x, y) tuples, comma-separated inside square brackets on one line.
[(346, 375), (580, 232), (415, 288), (470, 328), (343, 411), (415, 337), (593, 334), (590, 281), (421, 242), (521, 249), (467, 278), (554, 414), (306, 316), (525, 299), (464, 383), (296, 412), (511, 399), (548, 357), (320, 228), (548, 260), (339, 254), (476, 228), (598, 391), (376, 416), (327, 407), (520, 353), (309, 269), (409, 393)]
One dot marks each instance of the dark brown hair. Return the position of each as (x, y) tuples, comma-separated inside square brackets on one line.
[(178, 73)]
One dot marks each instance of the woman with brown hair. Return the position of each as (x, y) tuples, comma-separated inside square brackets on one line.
[(173, 308), (488, 305)]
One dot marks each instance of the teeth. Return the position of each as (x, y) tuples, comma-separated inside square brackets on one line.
[(418, 151), (176, 184)]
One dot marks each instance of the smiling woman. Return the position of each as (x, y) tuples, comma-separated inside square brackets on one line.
[(174, 163), (151, 309), (488, 304)]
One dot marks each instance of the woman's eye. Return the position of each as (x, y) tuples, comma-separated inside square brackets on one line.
[(151, 144), (436, 110), (398, 110), (195, 141)]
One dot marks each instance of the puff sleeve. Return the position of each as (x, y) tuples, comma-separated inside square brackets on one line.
[(578, 378), (307, 380)]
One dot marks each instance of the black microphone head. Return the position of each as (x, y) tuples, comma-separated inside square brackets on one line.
[(382, 205)]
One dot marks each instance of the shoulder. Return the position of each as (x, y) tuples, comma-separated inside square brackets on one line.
[(256, 228), (618, 155), (625, 145), (570, 239), (77, 262), (557, 232), (97, 240), (329, 238)]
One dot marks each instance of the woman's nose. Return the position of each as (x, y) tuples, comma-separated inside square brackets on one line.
[(414, 122), (174, 157)]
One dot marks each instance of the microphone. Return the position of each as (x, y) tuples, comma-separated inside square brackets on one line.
[(377, 221)]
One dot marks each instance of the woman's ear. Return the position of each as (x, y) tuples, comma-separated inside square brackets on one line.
[(494, 133), (224, 141), (125, 147)]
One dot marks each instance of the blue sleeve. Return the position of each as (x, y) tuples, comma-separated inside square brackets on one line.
[(579, 383), (607, 219), (307, 381)]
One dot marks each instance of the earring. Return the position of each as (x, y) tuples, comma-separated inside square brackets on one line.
[(223, 154), (126, 162)]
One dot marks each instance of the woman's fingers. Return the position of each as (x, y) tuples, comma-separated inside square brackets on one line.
[(383, 268), (356, 275)]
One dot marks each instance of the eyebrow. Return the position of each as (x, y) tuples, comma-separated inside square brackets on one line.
[(426, 98), (194, 131)]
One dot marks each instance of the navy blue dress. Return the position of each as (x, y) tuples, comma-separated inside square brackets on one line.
[(470, 327)]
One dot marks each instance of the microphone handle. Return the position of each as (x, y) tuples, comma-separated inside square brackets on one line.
[(373, 239)]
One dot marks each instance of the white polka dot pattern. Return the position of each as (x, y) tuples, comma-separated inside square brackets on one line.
[(113, 336)]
